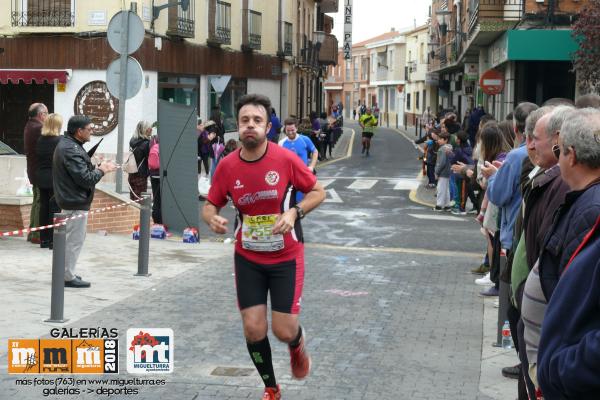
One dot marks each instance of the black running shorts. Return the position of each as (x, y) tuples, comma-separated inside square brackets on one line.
[(367, 135), (284, 280)]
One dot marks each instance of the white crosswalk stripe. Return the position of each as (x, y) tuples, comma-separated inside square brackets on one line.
[(437, 217), (363, 184), (407, 184), (326, 182)]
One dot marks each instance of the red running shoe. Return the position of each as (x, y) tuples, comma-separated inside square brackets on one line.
[(272, 393), (300, 360)]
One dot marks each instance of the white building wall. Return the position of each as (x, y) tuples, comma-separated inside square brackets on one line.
[(142, 106), (269, 88)]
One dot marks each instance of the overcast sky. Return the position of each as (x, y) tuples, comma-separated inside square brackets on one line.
[(373, 17)]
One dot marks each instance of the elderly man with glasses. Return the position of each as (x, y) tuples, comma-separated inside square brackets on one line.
[(569, 350)]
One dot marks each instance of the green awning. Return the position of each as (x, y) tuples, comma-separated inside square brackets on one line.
[(541, 45)]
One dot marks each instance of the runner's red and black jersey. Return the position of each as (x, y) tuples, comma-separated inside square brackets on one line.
[(265, 187)]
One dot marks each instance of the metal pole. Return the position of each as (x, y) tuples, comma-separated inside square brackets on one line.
[(416, 126), (396, 120), (144, 242), (503, 298), (57, 298), (122, 97)]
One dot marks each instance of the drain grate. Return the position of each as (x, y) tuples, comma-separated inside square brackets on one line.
[(232, 371)]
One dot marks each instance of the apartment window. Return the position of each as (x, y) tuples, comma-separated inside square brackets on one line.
[(287, 39), (254, 29), (392, 99), (417, 101), (43, 13), (355, 68), (223, 22), (424, 99), (348, 70), (408, 101), (364, 70)]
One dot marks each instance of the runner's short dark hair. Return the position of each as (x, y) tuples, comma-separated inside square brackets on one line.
[(256, 100), (290, 121)]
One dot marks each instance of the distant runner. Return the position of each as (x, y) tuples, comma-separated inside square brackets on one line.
[(367, 122)]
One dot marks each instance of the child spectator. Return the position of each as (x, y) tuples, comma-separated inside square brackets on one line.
[(442, 172)]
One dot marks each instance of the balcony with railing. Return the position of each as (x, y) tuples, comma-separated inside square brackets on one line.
[(328, 6), (219, 22), (43, 13), (308, 54), (251, 30), (328, 49), (493, 15), (181, 23)]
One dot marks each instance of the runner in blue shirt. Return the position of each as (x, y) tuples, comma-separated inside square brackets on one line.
[(301, 145)]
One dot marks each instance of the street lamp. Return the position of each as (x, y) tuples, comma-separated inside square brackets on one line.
[(441, 19)]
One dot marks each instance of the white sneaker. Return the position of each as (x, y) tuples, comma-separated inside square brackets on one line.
[(485, 281)]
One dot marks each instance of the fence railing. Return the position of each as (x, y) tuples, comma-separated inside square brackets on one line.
[(50, 13)]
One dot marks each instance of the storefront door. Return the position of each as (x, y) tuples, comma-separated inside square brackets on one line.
[(14, 103)]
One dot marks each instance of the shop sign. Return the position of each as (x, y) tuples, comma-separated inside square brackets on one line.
[(95, 101), (471, 72), (498, 51), (492, 82)]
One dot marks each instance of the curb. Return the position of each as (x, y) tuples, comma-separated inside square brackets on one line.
[(414, 193)]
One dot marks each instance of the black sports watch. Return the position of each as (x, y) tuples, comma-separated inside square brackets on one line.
[(299, 211)]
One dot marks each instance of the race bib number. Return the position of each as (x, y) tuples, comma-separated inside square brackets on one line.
[(257, 233)]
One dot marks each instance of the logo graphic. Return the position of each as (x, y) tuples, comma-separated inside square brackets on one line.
[(251, 198), (55, 356), (272, 178), (23, 356), (238, 184), (150, 350)]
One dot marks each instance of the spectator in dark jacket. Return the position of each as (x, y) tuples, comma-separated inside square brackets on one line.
[(473, 124), (33, 130), (46, 144), (74, 178), (139, 145), (569, 356), (569, 351)]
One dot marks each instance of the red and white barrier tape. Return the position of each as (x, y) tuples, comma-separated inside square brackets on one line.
[(20, 232)]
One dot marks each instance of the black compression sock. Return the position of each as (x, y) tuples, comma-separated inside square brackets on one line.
[(296, 342), (260, 352)]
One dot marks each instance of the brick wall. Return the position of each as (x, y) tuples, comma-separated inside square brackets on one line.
[(13, 217), (119, 220)]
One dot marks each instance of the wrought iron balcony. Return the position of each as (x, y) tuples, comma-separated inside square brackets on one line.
[(50, 13), (219, 22), (181, 23), (328, 6), (328, 50), (308, 56), (251, 30), (494, 15)]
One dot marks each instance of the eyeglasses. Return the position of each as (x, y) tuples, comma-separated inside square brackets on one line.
[(556, 150)]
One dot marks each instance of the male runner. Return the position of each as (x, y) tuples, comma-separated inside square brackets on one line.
[(261, 179), (301, 145), (367, 122)]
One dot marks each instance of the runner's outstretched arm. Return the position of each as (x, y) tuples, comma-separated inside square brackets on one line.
[(210, 214)]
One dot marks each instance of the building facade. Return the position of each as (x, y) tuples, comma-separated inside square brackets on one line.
[(418, 94), (205, 56), (498, 54)]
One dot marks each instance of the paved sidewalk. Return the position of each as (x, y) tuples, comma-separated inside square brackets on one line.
[(108, 262), (492, 384)]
